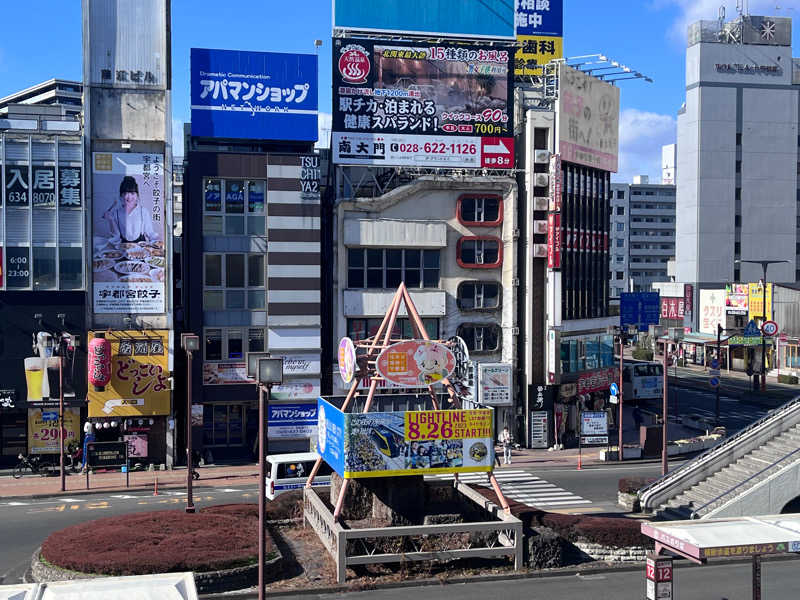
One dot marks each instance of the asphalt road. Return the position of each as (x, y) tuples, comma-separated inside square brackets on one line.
[(735, 412)]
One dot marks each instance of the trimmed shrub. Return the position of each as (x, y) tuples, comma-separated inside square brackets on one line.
[(783, 378), (640, 353), (631, 485), (215, 538)]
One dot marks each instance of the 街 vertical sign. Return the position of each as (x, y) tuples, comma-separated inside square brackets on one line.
[(128, 228)]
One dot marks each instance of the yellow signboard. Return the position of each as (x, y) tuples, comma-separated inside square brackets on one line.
[(537, 50), (139, 383), (43, 429), (426, 425), (756, 301)]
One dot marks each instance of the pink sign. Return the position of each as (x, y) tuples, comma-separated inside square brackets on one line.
[(597, 381), (347, 359), (415, 363)]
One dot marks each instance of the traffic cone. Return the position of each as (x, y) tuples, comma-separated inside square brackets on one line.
[(155, 486), (579, 462)]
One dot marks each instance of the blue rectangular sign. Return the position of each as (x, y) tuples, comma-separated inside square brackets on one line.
[(459, 18), (254, 95), (539, 17), (292, 421), (639, 308), (331, 435)]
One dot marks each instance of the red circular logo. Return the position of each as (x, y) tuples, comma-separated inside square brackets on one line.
[(354, 65), (769, 328)]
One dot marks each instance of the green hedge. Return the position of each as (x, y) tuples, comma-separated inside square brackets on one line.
[(640, 353), (787, 379), (631, 485)]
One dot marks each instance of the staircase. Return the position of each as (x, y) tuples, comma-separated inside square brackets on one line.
[(734, 480), (748, 473)]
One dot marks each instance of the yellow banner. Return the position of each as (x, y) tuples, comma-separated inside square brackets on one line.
[(139, 383), (43, 429), (427, 425), (536, 51), (755, 301)]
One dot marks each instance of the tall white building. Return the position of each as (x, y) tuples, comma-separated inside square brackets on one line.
[(737, 193)]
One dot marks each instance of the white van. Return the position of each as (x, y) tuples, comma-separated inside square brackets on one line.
[(287, 472), (642, 381)]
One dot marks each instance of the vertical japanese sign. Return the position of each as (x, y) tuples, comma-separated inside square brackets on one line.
[(554, 240), (540, 26), (43, 194), (139, 383), (672, 308), (587, 120), (69, 187), (17, 188), (128, 227), (417, 104), (756, 301), (556, 183), (688, 302), (712, 310)]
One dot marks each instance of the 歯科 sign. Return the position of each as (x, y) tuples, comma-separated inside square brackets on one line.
[(422, 104), (415, 363), (389, 444)]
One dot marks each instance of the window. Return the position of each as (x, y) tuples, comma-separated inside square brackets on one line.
[(44, 268), (70, 268), (636, 193), (478, 295), (738, 193), (484, 210), (620, 226), (234, 282), (620, 243), (619, 259), (386, 268), (620, 274), (479, 252), (620, 210), (738, 166), (737, 248), (360, 329), (224, 202), (620, 194), (738, 139), (737, 220), (479, 337), (233, 343)]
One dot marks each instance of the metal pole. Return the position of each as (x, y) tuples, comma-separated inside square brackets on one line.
[(716, 403), (61, 419), (189, 498), (619, 421), (756, 577), (763, 341), (664, 417), (262, 478)]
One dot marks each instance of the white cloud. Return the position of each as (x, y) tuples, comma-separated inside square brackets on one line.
[(324, 124), (691, 11), (641, 135)]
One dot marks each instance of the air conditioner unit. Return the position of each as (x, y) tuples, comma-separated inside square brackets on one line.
[(540, 250), (540, 227), (541, 157), (540, 202), (541, 179)]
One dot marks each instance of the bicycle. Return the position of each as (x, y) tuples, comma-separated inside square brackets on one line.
[(34, 463)]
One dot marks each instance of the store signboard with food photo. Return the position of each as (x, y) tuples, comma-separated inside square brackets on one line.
[(389, 444), (128, 226), (139, 384)]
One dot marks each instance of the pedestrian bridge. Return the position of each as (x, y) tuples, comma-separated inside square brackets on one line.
[(754, 472)]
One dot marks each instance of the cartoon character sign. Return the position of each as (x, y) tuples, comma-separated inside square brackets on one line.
[(415, 363)]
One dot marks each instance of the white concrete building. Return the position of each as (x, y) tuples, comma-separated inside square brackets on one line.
[(737, 193)]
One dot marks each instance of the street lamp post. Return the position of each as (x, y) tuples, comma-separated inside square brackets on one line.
[(269, 373), (764, 264), (616, 331), (719, 364), (677, 335), (190, 343)]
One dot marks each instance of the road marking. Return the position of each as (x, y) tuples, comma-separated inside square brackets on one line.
[(229, 490), (16, 504), (124, 496), (70, 500)]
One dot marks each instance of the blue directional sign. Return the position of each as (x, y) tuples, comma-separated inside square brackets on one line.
[(640, 309), (714, 363), (751, 330), (614, 389), (714, 382)]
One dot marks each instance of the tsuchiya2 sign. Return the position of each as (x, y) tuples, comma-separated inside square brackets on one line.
[(416, 104), (128, 224), (415, 363), (588, 120), (387, 444), (256, 95)]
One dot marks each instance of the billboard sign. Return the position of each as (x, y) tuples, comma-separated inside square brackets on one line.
[(388, 444), (422, 104), (128, 226), (495, 384), (594, 427), (554, 241), (712, 310), (588, 120), (639, 308), (534, 17), (128, 44), (673, 308), (254, 95), (535, 52), (442, 18), (755, 301), (292, 421), (347, 359), (140, 374), (736, 296), (43, 429), (415, 363)]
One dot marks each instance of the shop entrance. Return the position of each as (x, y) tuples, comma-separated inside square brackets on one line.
[(224, 425)]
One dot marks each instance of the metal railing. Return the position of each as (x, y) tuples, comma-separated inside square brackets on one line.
[(489, 539), (777, 463), (721, 448)]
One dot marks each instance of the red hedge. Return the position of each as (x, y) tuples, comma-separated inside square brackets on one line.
[(218, 537)]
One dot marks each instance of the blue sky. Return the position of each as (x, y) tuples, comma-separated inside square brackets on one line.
[(42, 39)]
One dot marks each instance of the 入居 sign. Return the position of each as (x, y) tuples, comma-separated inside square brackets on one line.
[(128, 232), (588, 120), (292, 421), (388, 444), (114, 59), (139, 383), (255, 95), (422, 104)]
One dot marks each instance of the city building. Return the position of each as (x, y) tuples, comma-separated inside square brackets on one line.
[(642, 235), (53, 92), (737, 189), (669, 162)]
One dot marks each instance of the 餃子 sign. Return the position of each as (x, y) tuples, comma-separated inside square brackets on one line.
[(415, 363), (422, 104)]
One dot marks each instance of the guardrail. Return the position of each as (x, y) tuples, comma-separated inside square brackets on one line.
[(426, 542), (655, 493)]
